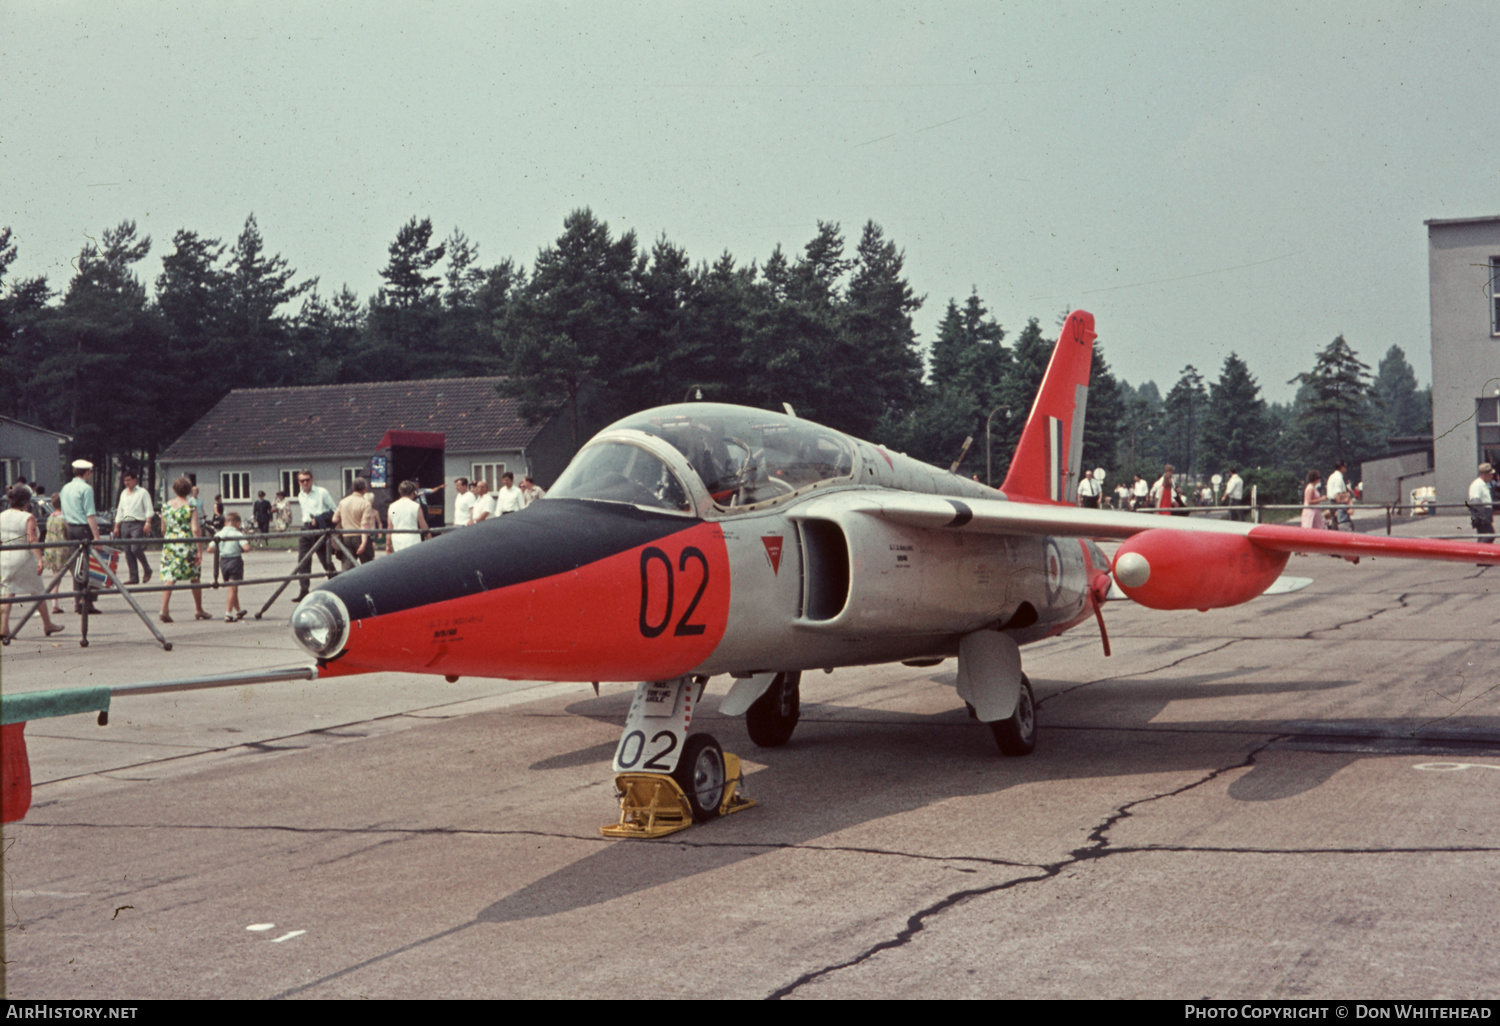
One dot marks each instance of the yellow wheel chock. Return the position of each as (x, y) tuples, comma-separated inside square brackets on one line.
[(653, 805)]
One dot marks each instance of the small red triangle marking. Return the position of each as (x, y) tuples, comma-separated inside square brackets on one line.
[(773, 551)]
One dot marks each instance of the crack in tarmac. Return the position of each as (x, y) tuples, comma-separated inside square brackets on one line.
[(1123, 676), (1097, 848), (1309, 636)]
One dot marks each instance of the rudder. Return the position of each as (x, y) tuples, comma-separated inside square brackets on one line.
[(1046, 465)]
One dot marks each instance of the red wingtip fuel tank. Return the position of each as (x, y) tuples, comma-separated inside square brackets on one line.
[(563, 590), (1169, 569)]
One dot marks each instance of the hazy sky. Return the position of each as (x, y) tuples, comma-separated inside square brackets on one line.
[(1204, 177)]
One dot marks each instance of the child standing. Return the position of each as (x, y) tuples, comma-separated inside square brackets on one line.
[(232, 564)]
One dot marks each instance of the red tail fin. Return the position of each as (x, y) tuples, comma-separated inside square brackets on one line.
[(1047, 461)]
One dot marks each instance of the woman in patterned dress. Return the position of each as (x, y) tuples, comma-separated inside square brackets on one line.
[(57, 558), (180, 564), (281, 514)]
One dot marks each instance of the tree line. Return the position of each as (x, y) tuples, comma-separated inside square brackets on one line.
[(600, 326)]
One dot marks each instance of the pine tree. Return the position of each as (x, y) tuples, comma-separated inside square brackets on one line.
[(1183, 421), (105, 355), (1332, 419), (570, 336), (402, 325), (259, 288), (1397, 406), (1105, 416), (1235, 429), (877, 370)]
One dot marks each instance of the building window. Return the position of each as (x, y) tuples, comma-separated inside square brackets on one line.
[(234, 485), (1487, 427), (1495, 295), (350, 473), (12, 470), (488, 473), (289, 482)]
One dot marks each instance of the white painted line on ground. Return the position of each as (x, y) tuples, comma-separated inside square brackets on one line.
[(261, 926), (49, 894), (287, 936), (1451, 767)]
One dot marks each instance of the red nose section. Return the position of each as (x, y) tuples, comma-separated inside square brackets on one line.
[(650, 612), (1186, 570)]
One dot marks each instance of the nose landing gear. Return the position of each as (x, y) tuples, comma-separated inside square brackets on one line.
[(667, 779)]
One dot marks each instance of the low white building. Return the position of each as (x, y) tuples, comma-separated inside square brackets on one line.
[(256, 439), (31, 452)]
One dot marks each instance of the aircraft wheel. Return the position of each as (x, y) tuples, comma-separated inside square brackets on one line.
[(773, 716), (700, 774), (1017, 735)]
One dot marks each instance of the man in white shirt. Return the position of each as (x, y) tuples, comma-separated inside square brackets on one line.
[(133, 521), (1139, 492), (508, 498), (317, 508), (484, 502), (1234, 494), (1338, 493), (1089, 491), (463, 506), (1481, 504)]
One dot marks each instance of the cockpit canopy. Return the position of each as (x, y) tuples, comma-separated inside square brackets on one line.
[(743, 457)]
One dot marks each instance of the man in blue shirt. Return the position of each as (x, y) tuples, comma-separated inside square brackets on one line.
[(82, 520)]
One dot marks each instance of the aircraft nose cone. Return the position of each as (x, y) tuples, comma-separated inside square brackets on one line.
[(1132, 570)]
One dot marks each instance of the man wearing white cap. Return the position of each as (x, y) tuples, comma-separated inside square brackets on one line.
[(82, 520), (1481, 506)]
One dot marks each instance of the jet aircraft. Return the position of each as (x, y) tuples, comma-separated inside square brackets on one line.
[(699, 540)]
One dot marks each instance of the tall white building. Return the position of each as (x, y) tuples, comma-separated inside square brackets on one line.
[(1463, 261)]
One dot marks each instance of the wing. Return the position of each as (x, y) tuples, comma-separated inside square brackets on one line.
[(1001, 516)]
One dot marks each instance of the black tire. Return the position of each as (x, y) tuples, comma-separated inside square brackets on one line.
[(773, 716), (1017, 735), (700, 774)]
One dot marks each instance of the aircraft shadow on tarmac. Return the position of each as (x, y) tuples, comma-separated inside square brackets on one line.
[(891, 764)]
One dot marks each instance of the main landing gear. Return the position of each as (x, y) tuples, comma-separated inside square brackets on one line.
[(1017, 734), (991, 683), (667, 779), (773, 716)]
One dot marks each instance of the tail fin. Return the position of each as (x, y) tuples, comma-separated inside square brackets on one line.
[(1054, 431)]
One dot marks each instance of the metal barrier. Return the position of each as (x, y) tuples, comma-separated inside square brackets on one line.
[(331, 541)]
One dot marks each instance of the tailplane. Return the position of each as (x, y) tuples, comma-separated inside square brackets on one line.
[(1047, 461)]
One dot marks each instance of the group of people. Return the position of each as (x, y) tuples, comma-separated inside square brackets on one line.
[(74, 517), (186, 525), (357, 522), (477, 501), (1165, 494), (1328, 507)]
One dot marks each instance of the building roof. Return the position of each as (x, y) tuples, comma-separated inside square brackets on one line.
[(337, 420), (33, 427), (1439, 222)]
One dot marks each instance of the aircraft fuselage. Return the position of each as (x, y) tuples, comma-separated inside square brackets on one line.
[(690, 579)]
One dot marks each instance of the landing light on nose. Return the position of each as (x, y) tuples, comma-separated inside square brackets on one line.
[(321, 624)]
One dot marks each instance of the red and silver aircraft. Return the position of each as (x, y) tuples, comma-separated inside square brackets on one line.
[(699, 540)]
